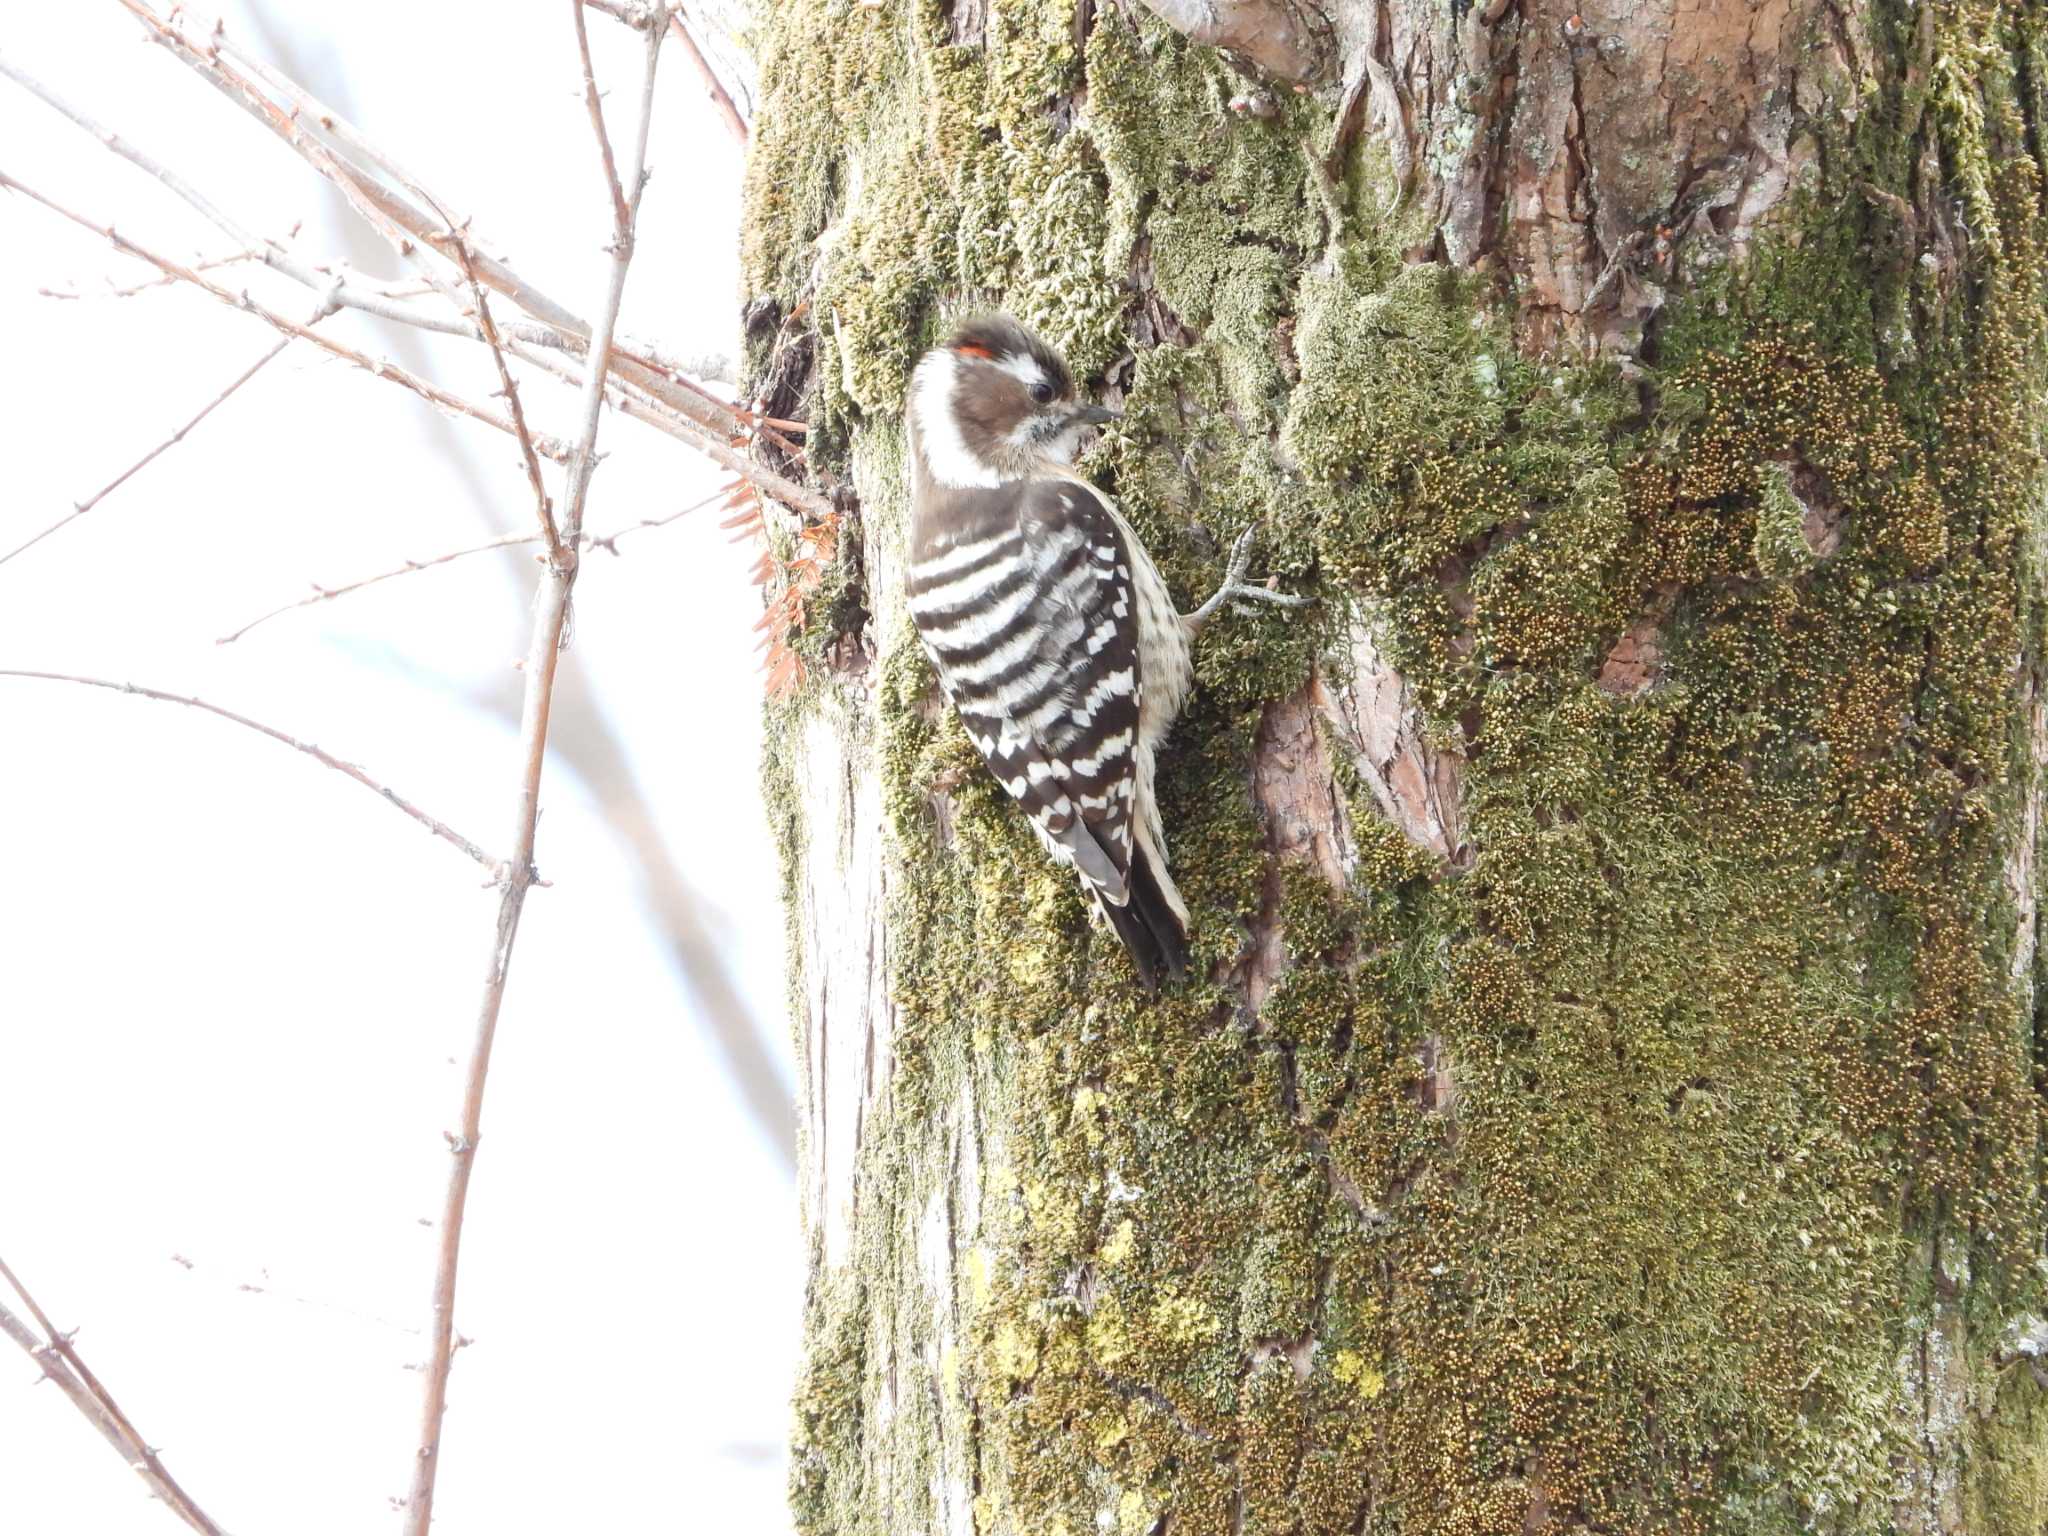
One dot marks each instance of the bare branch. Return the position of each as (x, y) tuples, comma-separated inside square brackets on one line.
[(668, 372), (625, 210), (213, 1275), (319, 755), (788, 492), (622, 216), (636, 14), (337, 289), (62, 1363), (543, 508), (714, 367), (311, 149), (666, 381), (550, 617), (300, 102), (604, 541), (713, 86), (53, 1367), (281, 106), (709, 367), (81, 508), (129, 290), (328, 594), (242, 301), (221, 65), (609, 542)]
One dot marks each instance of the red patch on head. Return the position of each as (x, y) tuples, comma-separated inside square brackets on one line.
[(974, 349)]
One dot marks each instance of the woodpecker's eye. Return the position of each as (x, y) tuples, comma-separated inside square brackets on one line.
[(1042, 392)]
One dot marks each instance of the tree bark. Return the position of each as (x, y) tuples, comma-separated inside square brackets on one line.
[(1611, 1096)]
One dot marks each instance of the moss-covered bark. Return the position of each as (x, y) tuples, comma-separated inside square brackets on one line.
[(1648, 1139)]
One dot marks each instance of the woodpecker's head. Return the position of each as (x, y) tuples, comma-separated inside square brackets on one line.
[(994, 403)]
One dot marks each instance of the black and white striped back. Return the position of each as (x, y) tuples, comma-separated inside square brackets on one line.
[(1022, 594)]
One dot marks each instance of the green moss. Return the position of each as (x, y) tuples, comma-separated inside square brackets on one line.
[(1781, 548), (2006, 1483), (1270, 1431), (1581, 1177), (826, 1471)]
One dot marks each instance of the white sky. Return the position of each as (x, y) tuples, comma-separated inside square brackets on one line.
[(233, 980)]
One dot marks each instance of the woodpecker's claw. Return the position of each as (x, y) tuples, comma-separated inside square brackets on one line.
[(1234, 586)]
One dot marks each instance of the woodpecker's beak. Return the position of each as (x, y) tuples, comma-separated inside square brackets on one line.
[(1092, 415)]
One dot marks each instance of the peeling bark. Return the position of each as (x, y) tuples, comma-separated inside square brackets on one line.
[(1374, 713), (1595, 151), (1635, 661), (1298, 799), (1285, 40)]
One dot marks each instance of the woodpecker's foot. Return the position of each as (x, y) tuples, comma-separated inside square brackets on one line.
[(1234, 586)]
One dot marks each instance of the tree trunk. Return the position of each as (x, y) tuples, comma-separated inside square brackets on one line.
[(1611, 1092)]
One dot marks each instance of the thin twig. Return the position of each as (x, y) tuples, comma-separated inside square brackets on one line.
[(668, 384), (319, 755), (302, 103), (335, 288), (643, 357), (634, 13), (625, 210), (276, 321), (62, 1363), (293, 129), (622, 216), (691, 373), (210, 1274), (341, 292), (550, 616), (788, 492), (713, 86), (81, 508), (609, 542), (269, 252), (128, 291), (638, 364), (509, 388), (221, 65), (604, 541), (53, 1367), (394, 218), (717, 369)]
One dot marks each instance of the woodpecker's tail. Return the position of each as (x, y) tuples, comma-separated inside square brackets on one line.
[(1149, 926)]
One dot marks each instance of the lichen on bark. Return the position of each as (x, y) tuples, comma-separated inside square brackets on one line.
[(1649, 1136)]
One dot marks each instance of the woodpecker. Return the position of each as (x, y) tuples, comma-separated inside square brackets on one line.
[(1050, 627)]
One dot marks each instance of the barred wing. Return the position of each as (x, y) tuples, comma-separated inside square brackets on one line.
[(1025, 606)]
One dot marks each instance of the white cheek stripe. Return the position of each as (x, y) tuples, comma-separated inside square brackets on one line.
[(938, 435)]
